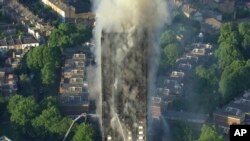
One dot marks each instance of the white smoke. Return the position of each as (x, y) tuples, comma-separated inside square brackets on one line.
[(128, 16)]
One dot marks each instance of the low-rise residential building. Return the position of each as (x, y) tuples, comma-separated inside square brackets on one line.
[(8, 83), (22, 15), (214, 23), (184, 66), (226, 6), (174, 86), (188, 10), (18, 43), (74, 95), (69, 10), (188, 59), (156, 107), (198, 51), (177, 74), (200, 45), (212, 14), (197, 16), (236, 112)]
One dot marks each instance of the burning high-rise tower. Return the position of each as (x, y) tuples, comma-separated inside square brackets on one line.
[(126, 37), (124, 85)]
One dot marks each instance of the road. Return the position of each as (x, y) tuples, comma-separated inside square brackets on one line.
[(185, 116)]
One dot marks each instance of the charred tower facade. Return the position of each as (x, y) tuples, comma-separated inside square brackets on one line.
[(124, 70)]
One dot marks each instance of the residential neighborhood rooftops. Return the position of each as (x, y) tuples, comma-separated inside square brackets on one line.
[(3, 43), (236, 108), (18, 43), (27, 40)]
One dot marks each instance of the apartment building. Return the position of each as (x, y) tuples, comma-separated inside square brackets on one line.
[(18, 43), (70, 9), (236, 112), (73, 94)]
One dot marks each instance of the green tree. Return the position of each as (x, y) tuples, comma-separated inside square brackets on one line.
[(51, 123), (181, 131), (67, 35), (209, 133), (53, 56), (168, 37), (231, 79), (84, 132), (49, 101), (48, 74), (172, 52), (244, 30), (207, 74), (84, 33), (168, 59), (22, 110), (59, 39), (25, 85), (227, 54), (35, 58), (225, 30)]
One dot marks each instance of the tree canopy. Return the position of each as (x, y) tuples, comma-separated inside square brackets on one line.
[(22, 110), (209, 133), (235, 79), (67, 35), (84, 132), (50, 122), (171, 53), (44, 120), (233, 55)]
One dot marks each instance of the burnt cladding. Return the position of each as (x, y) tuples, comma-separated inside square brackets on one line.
[(124, 85)]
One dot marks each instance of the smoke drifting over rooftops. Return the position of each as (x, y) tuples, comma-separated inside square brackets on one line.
[(128, 15)]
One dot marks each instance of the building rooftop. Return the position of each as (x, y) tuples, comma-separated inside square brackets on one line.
[(188, 10), (188, 59), (236, 108), (184, 66), (213, 22), (74, 100), (3, 43), (177, 74), (10, 42), (173, 86), (156, 107), (80, 6), (17, 41), (201, 45), (28, 40), (198, 51)]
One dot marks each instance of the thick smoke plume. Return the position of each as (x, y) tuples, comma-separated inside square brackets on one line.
[(142, 21)]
